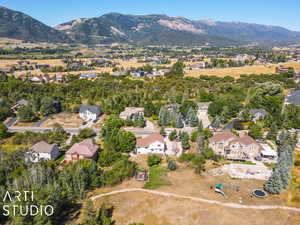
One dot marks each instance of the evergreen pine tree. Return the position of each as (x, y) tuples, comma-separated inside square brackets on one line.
[(216, 123), (179, 122), (274, 184)]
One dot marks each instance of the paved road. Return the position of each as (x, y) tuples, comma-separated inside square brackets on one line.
[(141, 132), (196, 199), (15, 129)]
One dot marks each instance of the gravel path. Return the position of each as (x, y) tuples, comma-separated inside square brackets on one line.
[(196, 199)]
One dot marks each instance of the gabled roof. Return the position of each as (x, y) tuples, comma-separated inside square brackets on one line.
[(224, 135), (85, 148), (145, 142), (244, 140), (92, 109), (42, 147)]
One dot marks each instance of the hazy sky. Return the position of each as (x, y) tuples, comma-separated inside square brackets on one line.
[(271, 12)]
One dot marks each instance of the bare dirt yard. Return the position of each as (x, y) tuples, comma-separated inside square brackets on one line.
[(66, 120), (237, 71), (152, 209)]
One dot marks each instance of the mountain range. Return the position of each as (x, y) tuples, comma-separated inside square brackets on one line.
[(142, 30)]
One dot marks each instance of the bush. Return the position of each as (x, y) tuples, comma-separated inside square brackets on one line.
[(171, 164), (186, 157), (153, 160)]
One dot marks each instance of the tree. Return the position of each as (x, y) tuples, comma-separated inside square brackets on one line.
[(274, 184), (3, 131), (126, 141), (184, 137), (171, 164), (153, 159), (179, 122), (255, 131), (200, 143), (162, 132), (173, 135), (47, 106), (26, 114), (272, 134), (163, 117), (89, 213), (200, 127), (86, 133), (216, 123), (246, 115), (192, 118)]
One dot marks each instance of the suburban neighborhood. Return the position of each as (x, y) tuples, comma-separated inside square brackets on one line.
[(149, 119)]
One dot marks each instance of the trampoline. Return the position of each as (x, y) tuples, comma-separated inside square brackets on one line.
[(259, 193)]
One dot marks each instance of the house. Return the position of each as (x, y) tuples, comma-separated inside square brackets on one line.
[(197, 66), (233, 147), (258, 114), (160, 72), (18, 105), (281, 69), (44, 151), (89, 113), (42, 66), (119, 73), (152, 144), (293, 98), (130, 112), (88, 76), (82, 150)]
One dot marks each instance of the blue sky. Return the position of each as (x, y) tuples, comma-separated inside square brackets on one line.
[(271, 12)]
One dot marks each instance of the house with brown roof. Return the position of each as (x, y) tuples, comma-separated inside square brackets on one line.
[(233, 147), (152, 144), (44, 151), (82, 150)]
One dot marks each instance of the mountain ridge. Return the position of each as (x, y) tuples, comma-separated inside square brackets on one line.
[(151, 29), (18, 25)]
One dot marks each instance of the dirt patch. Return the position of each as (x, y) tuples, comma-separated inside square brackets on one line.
[(66, 120), (151, 209), (24, 124)]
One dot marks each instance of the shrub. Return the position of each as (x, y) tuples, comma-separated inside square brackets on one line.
[(153, 160)]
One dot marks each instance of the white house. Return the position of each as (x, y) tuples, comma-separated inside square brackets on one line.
[(152, 144), (44, 151), (89, 113)]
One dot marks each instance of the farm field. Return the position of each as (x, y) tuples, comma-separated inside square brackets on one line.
[(237, 71), (66, 120), (152, 209)]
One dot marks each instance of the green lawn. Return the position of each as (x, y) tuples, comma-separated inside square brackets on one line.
[(156, 177)]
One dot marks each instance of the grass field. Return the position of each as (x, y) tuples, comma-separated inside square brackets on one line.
[(157, 210), (157, 177), (237, 71)]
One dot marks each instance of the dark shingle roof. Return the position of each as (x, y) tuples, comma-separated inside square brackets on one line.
[(93, 109), (294, 98)]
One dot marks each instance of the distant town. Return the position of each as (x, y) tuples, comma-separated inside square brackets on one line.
[(130, 134)]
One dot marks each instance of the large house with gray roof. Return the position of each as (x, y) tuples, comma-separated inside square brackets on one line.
[(44, 151)]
